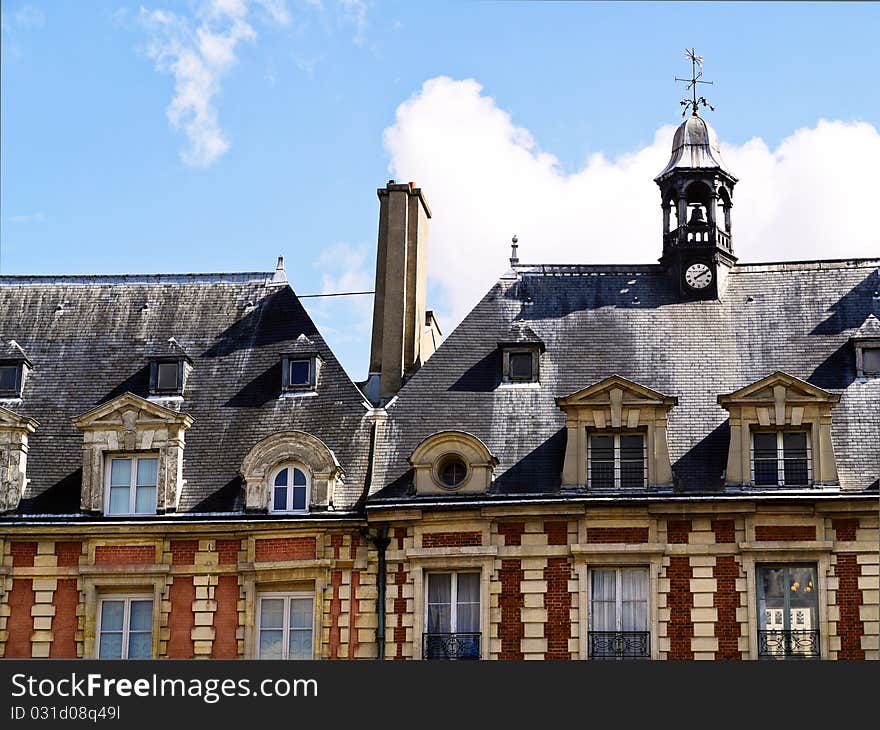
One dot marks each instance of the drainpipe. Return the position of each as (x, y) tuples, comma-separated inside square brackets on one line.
[(381, 541)]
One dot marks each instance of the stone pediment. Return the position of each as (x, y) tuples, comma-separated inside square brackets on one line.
[(12, 421), (779, 386), (127, 411), (616, 389)]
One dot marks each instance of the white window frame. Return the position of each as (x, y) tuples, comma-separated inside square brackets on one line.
[(289, 506), (617, 461), (127, 598), (780, 456), (132, 486), (285, 630), (453, 597)]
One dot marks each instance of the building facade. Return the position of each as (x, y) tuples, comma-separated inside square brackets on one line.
[(666, 461)]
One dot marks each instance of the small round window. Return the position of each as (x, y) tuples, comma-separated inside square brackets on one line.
[(452, 471)]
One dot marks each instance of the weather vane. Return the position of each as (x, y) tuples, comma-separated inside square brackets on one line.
[(692, 82)]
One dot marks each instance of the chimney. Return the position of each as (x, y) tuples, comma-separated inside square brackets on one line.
[(404, 336)]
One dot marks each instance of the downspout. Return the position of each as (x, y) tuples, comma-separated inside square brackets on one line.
[(381, 541)]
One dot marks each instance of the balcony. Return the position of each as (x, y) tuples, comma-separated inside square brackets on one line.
[(619, 644), (788, 644), (699, 234), (451, 646)]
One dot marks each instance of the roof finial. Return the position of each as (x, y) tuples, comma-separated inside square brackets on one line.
[(514, 244), (694, 102)]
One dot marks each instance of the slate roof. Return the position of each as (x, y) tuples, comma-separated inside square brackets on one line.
[(89, 339), (596, 321)]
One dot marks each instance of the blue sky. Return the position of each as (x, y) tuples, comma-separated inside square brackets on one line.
[(96, 178)]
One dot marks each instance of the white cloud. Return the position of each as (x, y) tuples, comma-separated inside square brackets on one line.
[(486, 179), (198, 55), (355, 13)]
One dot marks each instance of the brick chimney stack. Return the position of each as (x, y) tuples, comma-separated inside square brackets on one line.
[(404, 333)]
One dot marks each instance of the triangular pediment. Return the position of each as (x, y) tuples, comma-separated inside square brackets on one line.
[(869, 330), (127, 410), (12, 420), (599, 393), (765, 389)]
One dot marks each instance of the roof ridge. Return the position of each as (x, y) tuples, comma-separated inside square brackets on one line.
[(187, 278)]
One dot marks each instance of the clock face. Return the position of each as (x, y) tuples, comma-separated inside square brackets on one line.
[(698, 276)]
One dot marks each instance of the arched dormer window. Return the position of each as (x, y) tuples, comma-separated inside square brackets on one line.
[(290, 489)]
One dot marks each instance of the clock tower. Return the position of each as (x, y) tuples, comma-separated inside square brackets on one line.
[(696, 194)]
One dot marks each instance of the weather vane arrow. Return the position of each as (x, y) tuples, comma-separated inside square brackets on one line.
[(696, 78)]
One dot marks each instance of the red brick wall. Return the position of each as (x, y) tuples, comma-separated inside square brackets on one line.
[(181, 619), (125, 554), (845, 530), (226, 618), (64, 622), (335, 611), (557, 601), (511, 602), (336, 544), (677, 531), (183, 552), (354, 609), (400, 536), (512, 532), (23, 555), (850, 627), (557, 533), (680, 601), (20, 624), (725, 530), (68, 554), (451, 539), (227, 551), (785, 533), (726, 601), (399, 611), (285, 548), (617, 534)]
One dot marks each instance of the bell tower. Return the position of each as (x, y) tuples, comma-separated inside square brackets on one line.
[(696, 194)]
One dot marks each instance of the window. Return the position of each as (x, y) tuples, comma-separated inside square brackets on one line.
[(10, 379), (125, 627), (781, 458), (284, 626), (617, 461), (788, 613), (167, 376), (452, 616), (520, 365), (870, 361), (290, 490), (132, 482), (300, 372), (452, 470), (619, 614)]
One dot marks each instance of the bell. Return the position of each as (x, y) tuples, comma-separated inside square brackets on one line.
[(697, 217)]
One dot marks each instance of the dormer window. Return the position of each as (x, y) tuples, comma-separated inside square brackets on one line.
[(169, 377), (781, 458), (10, 379), (290, 489), (870, 366), (521, 365), (132, 482), (300, 372), (617, 461), (169, 368), (867, 344)]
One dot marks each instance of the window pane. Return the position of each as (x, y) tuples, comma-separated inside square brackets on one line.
[(301, 613), (119, 500), (795, 450), (634, 605), (632, 461), (147, 472), (439, 588), (271, 643), (299, 372), (521, 365), (871, 359), (281, 478), (299, 497), (120, 472), (602, 606), (439, 603), (439, 618), (271, 613), (468, 600), (765, 457), (141, 618), (140, 645), (112, 613), (803, 599), (299, 478), (771, 598), (166, 377), (602, 461), (280, 499), (110, 646), (145, 500), (8, 377), (300, 644)]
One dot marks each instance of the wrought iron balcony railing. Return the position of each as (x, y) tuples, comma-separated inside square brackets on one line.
[(619, 644), (794, 644), (451, 646)]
